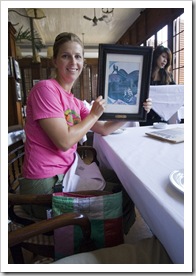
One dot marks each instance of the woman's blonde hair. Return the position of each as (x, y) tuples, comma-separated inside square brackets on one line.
[(62, 38)]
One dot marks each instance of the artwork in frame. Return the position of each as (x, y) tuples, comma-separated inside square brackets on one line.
[(124, 80), (18, 91), (16, 69), (10, 67)]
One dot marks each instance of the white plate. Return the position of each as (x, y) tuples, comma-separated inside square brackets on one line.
[(160, 125), (177, 179)]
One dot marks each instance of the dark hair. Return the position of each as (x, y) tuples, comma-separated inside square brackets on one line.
[(165, 74), (159, 51), (62, 38)]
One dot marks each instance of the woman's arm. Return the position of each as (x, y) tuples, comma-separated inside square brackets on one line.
[(65, 136), (107, 127)]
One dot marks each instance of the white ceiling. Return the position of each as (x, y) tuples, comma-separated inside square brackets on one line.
[(71, 20)]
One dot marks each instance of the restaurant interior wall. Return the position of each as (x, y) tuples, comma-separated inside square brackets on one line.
[(144, 32), (150, 21)]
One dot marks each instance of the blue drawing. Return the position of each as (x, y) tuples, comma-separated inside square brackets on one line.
[(122, 86)]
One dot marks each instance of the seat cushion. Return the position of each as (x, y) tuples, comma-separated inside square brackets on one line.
[(39, 239), (146, 251), (19, 211)]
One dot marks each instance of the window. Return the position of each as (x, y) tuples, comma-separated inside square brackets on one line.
[(162, 36), (151, 41), (176, 28), (178, 49)]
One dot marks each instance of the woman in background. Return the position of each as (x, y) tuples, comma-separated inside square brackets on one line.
[(161, 75), (161, 66)]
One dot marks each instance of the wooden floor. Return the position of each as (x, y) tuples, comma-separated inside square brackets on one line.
[(139, 230)]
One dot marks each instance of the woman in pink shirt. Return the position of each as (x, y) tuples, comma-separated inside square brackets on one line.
[(57, 121)]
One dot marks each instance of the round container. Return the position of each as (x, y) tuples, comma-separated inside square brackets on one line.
[(160, 125)]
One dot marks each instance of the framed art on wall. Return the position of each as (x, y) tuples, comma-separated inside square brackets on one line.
[(10, 67), (18, 91), (16, 69), (124, 80)]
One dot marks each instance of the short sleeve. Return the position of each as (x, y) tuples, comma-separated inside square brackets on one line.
[(46, 102)]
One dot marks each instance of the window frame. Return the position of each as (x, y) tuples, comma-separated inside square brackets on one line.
[(178, 70)]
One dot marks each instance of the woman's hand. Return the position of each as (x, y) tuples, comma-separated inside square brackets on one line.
[(147, 105), (98, 106)]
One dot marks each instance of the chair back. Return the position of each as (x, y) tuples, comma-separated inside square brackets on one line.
[(15, 158), (38, 237)]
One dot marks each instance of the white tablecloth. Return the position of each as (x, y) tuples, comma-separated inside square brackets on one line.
[(143, 165), (167, 99), (15, 136)]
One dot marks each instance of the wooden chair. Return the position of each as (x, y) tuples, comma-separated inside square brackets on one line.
[(145, 251), (15, 161), (15, 158), (19, 239), (88, 154), (23, 224)]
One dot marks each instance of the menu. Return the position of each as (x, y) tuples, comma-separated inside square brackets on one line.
[(173, 135)]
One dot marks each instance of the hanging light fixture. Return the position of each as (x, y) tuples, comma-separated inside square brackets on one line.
[(107, 15), (33, 14)]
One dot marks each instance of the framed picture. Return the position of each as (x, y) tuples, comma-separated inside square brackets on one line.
[(16, 69), (124, 80), (10, 67), (18, 92)]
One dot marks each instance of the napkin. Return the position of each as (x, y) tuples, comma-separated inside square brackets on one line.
[(166, 99)]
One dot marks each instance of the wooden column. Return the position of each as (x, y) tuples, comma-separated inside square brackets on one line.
[(11, 41)]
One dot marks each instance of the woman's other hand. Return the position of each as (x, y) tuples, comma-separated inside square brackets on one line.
[(147, 105)]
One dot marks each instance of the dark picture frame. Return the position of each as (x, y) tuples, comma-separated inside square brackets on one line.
[(10, 67), (16, 69), (124, 80), (18, 91)]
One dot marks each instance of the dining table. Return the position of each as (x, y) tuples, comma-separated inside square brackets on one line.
[(144, 166)]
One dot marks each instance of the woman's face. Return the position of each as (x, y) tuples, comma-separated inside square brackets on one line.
[(69, 61), (162, 60)]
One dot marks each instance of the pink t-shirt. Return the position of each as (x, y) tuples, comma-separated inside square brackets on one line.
[(48, 99)]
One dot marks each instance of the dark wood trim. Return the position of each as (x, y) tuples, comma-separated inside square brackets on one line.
[(148, 23), (11, 40)]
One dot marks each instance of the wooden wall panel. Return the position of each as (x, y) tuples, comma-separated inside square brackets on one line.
[(140, 29), (149, 22), (11, 40)]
